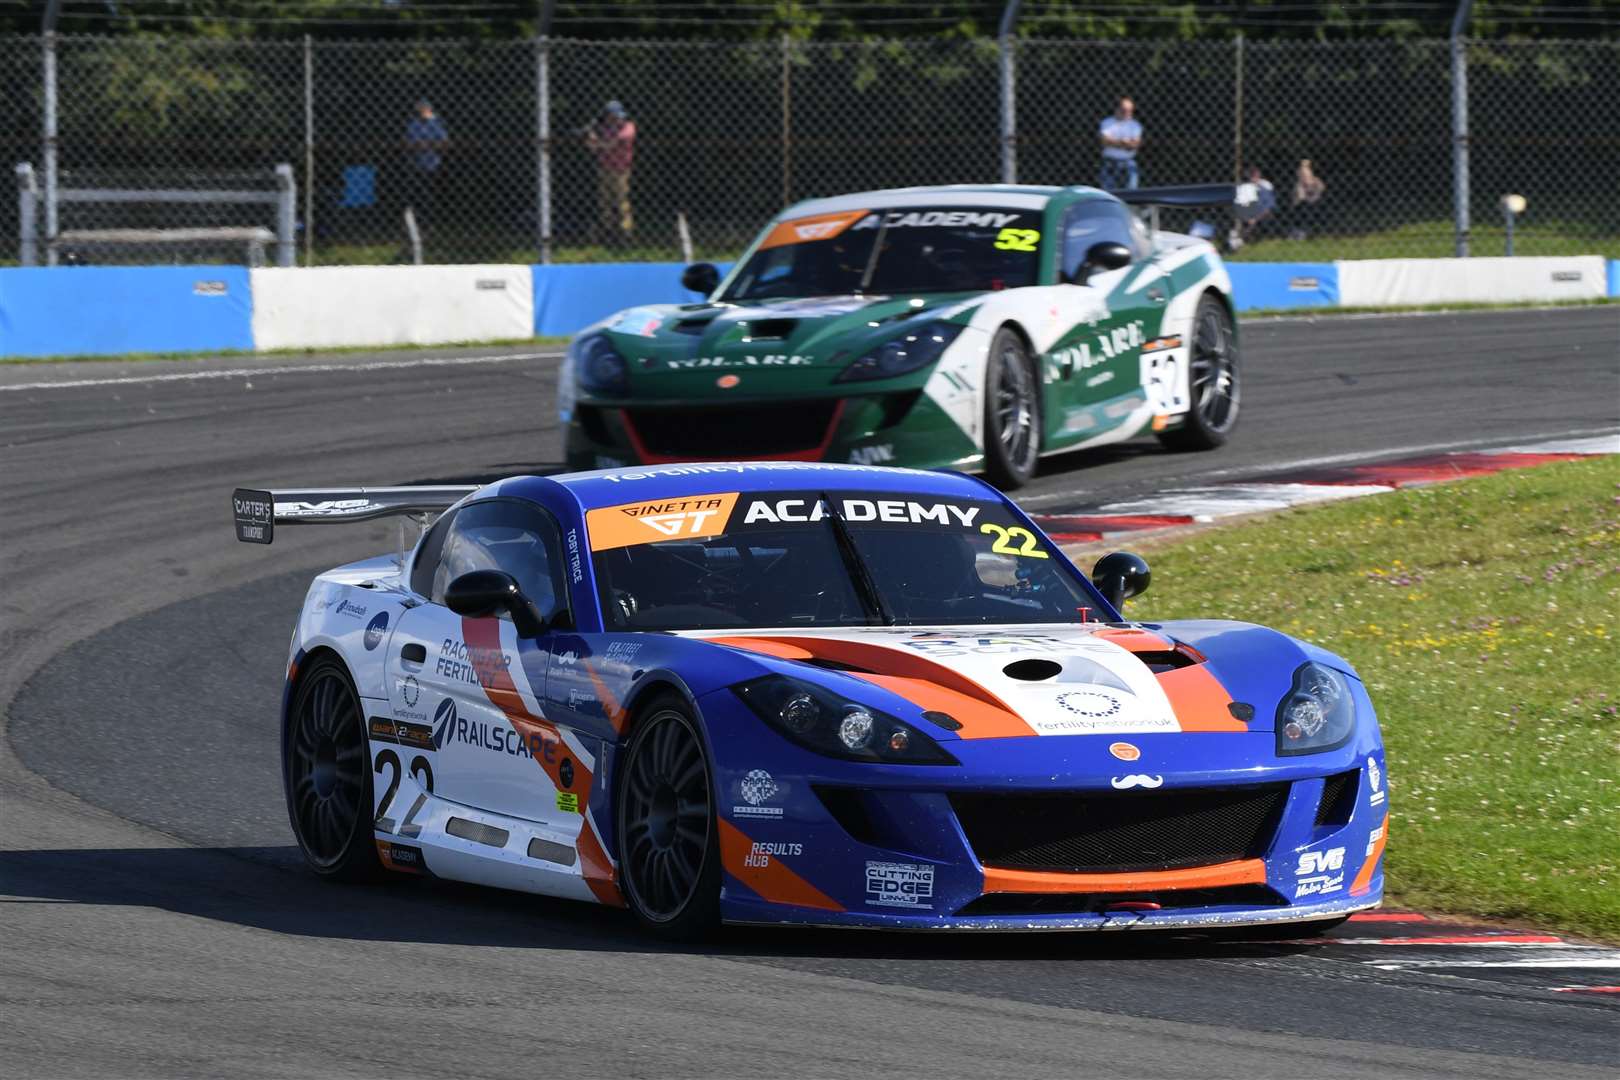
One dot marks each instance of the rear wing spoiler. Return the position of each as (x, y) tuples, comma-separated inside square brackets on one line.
[(1183, 195), (257, 513), (1155, 199)]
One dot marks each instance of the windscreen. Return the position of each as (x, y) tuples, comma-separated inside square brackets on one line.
[(785, 559), (920, 249)]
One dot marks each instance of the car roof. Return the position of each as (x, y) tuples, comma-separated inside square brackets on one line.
[(1022, 196), (617, 487)]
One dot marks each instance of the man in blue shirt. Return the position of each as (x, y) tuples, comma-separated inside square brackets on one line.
[(1121, 136), (426, 139)]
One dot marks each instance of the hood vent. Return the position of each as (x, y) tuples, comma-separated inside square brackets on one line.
[(1033, 670), (1166, 660), (770, 329)]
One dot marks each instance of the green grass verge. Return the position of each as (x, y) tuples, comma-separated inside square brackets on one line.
[(1433, 240), (223, 354), (1485, 618)]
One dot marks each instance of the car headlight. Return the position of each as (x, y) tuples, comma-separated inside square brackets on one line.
[(598, 366), (917, 348), (1318, 714), (829, 723)]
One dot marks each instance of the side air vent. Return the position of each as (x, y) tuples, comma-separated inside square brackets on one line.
[(771, 329), (477, 832), (547, 851), (1338, 799), (692, 326), (1033, 670), (848, 807)]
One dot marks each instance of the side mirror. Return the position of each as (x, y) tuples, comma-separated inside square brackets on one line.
[(482, 593), (1121, 575), (1104, 255), (701, 278)]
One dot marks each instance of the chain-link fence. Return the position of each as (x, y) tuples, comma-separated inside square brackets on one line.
[(503, 153)]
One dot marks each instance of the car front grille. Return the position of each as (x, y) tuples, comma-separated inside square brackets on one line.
[(1101, 832), (741, 431)]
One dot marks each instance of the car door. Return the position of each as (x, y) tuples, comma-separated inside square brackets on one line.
[(1094, 367), (474, 683)]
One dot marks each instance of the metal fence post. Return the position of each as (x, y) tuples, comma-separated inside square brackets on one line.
[(309, 150), (1237, 112), (50, 137), (27, 228), (542, 138), (1459, 124), (1009, 94), (286, 212), (787, 120)]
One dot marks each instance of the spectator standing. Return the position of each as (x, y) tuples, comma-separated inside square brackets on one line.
[(613, 140), (1308, 191), (426, 140), (1121, 137)]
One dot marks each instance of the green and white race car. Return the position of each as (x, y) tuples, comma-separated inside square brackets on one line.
[(971, 327)]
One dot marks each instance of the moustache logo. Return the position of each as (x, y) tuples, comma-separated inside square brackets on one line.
[(1137, 780)]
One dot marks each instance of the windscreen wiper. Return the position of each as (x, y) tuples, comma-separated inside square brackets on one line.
[(864, 582), (872, 259)]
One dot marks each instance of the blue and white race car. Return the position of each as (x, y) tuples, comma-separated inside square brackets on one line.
[(779, 692)]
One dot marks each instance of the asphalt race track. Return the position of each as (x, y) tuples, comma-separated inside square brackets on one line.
[(154, 921)]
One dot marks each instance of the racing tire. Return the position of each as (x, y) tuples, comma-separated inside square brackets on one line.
[(326, 763), (669, 839), (1214, 378), (1012, 411)]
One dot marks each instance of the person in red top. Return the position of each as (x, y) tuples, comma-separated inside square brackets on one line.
[(613, 140)]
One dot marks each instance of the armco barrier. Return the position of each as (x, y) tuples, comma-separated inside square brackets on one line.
[(571, 296), (332, 306), (1383, 282), (101, 310), (1284, 285)]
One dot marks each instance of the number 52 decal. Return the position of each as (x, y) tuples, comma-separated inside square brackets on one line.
[(1017, 239), (1007, 538)]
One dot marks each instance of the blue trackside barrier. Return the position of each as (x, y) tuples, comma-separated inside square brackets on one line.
[(571, 296), (1614, 277), (101, 310), (1284, 285)]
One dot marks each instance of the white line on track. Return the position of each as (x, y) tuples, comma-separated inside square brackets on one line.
[(1330, 315), (1353, 457), (288, 369)]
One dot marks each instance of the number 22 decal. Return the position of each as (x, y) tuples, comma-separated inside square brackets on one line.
[(422, 773), (1017, 239), (1005, 538)]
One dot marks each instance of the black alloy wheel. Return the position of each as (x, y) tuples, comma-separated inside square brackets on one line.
[(669, 857), (1012, 412), (329, 792), (1214, 379)]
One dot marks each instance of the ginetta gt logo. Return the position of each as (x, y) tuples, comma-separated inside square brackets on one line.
[(818, 230), (678, 517), (1124, 751), (649, 522)]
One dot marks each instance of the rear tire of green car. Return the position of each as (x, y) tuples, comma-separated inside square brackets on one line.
[(1214, 378), (1012, 412)]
